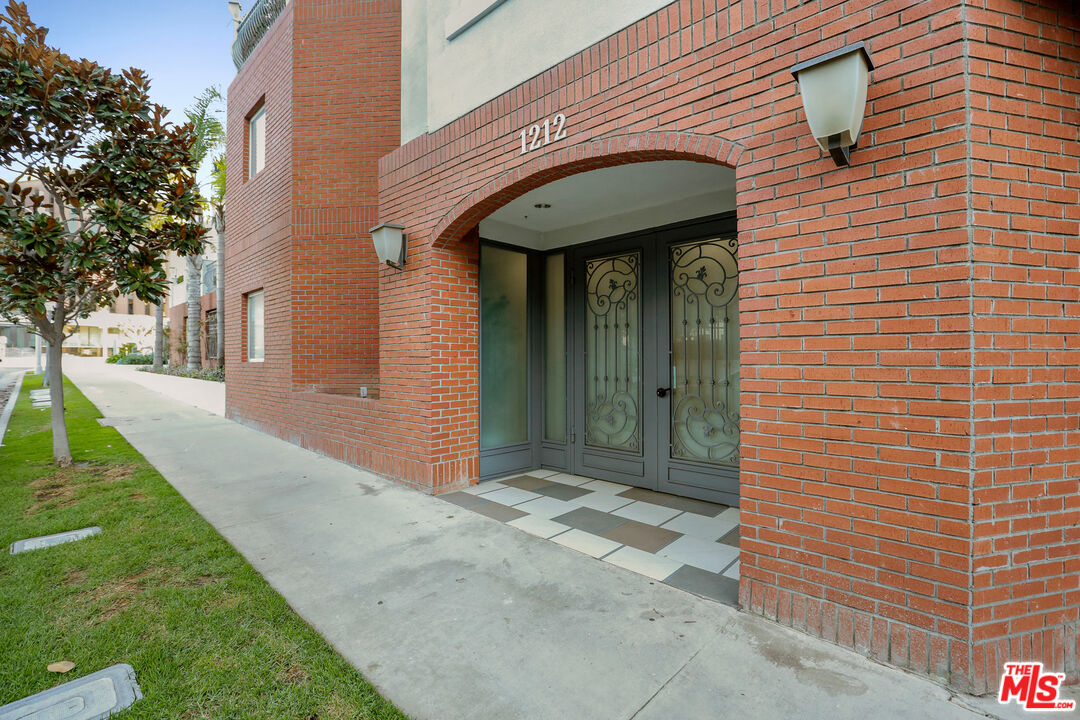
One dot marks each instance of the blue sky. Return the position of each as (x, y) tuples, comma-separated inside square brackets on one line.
[(183, 45)]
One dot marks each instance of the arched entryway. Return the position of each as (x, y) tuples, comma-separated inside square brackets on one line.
[(609, 327)]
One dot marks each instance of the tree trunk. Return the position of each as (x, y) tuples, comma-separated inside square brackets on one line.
[(45, 375), (61, 449), (221, 293), (194, 312), (159, 334)]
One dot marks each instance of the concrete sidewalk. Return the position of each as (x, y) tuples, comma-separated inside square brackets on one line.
[(454, 615), (204, 394)]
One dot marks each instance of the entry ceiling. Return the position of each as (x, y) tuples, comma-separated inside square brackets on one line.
[(585, 198)]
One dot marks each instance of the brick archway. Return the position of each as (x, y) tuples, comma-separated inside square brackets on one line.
[(590, 155)]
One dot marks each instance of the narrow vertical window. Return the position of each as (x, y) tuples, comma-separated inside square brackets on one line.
[(554, 349), (257, 142), (255, 325), (504, 358), (211, 333)]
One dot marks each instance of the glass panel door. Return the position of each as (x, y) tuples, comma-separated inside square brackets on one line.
[(612, 352), (704, 286)]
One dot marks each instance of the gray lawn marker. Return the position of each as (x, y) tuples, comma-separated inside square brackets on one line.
[(20, 546), (93, 697)]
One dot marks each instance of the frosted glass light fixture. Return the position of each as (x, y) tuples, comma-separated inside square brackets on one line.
[(390, 244), (833, 89)]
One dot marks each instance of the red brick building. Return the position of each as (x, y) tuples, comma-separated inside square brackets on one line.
[(887, 383)]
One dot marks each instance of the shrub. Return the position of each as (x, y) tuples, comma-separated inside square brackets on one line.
[(125, 350), (215, 374), (135, 359)]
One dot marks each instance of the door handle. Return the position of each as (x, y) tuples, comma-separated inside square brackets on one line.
[(662, 392)]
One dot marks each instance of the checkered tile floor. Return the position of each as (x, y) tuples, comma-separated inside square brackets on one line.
[(690, 544)]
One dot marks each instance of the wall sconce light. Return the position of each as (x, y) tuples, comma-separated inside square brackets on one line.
[(390, 244), (833, 89)]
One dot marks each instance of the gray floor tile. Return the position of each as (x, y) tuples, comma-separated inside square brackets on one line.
[(560, 491), (590, 520), (500, 512), (641, 536), (705, 584), (649, 496), (464, 499), (732, 538), (699, 507), (526, 482)]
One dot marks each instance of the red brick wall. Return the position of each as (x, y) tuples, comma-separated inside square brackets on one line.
[(330, 75), (346, 94), (1025, 151), (862, 351), (178, 331), (258, 235)]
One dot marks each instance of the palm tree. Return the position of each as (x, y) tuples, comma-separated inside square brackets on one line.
[(209, 137), (217, 202)]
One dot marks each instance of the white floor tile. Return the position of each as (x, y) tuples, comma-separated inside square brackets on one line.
[(643, 563), (511, 496), (542, 473), (604, 502), (711, 556), (646, 513), (586, 542), (733, 571), (701, 526), (569, 479), (484, 487), (604, 486), (730, 515), (538, 526), (511, 476), (546, 507)]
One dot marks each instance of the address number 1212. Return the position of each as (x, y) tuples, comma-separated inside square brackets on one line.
[(539, 135)]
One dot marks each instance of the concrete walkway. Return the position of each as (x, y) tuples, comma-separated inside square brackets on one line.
[(11, 381), (453, 615), (204, 394)]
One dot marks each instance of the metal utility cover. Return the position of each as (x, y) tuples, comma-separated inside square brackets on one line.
[(20, 546), (93, 697)]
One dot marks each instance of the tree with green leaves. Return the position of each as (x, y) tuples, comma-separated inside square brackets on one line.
[(98, 188), (209, 137)]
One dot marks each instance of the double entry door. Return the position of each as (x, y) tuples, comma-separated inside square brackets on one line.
[(654, 360)]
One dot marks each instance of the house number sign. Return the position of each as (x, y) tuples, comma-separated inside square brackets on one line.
[(539, 135)]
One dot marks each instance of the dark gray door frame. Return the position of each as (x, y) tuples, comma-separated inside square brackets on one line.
[(653, 467)]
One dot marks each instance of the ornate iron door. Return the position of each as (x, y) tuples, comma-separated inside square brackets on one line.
[(702, 436), (615, 415), (656, 371)]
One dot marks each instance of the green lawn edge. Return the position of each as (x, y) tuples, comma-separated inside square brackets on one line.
[(159, 589)]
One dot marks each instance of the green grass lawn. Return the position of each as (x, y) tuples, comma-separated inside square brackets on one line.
[(159, 589)]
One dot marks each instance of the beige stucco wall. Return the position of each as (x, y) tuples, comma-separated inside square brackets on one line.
[(444, 78)]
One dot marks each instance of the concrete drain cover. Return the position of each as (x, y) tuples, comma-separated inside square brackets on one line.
[(93, 697), (45, 541)]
